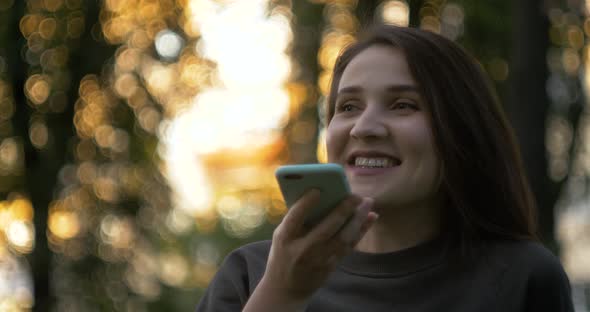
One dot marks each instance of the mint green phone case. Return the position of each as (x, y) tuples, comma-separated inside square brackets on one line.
[(330, 179)]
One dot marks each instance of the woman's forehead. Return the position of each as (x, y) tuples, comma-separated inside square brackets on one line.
[(377, 67)]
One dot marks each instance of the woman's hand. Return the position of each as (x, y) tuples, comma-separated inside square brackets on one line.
[(301, 259)]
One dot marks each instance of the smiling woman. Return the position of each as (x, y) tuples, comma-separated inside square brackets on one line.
[(441, 212), (379, 114)]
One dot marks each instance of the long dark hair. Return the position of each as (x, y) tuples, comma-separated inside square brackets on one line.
[(483, 180)]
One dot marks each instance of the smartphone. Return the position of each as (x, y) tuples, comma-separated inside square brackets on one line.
[(329, 179)]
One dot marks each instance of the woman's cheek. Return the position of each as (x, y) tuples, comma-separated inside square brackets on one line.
[(337, 137), (330, 149)]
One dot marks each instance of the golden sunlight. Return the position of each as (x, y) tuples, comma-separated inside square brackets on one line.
[(246, 107)]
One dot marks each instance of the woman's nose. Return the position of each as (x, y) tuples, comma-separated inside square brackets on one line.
[(368, 125)]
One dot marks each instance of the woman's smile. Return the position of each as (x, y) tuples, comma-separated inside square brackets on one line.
[(371, 166)]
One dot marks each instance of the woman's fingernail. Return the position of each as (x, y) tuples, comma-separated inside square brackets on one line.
[(369, 222), (366, 204)]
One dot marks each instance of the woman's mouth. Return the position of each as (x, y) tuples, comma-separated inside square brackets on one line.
[(372, 165), (375, 162)]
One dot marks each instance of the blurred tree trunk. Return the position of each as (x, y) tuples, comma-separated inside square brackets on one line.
[(307, 29), (365, 12), (41, 166), (415, 6), (529, 103)]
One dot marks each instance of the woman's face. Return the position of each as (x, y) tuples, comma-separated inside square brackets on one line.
[(380, 131)]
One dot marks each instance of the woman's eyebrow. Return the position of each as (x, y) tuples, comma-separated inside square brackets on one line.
[(391, 88), (352, 89), (402, 88)]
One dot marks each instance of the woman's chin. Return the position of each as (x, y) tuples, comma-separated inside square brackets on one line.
[(372, 191)]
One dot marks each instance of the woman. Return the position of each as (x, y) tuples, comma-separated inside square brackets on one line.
[(442, 215)]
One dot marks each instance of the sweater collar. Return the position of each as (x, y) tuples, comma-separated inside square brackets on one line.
[(398, 263)]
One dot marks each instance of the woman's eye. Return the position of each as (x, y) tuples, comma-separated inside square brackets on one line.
[(346, 107), (404, 105)]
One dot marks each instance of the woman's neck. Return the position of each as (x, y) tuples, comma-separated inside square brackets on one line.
[(401, 227)]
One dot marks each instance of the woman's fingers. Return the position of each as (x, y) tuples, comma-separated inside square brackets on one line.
[(351, 231), (345, 236), (336, 234), (333, 222), (371, 218), (369, 221), (293, 220)]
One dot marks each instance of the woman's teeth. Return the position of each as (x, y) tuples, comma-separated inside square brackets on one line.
[(373, 162)]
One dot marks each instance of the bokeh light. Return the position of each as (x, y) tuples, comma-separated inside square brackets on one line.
[(11, 161), (395, 12), (20, 235), (16, 216), (37, 88), (498, 69), (39, 134), (63, 224), (168, 44), (16, 286)]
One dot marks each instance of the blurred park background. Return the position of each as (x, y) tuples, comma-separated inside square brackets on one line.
[(138, 138)]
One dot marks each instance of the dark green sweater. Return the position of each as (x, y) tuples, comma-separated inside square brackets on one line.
[(503, 276)]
